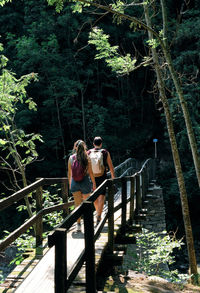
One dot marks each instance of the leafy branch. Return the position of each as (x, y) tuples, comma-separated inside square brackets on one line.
[(18, 148), (118, 63)]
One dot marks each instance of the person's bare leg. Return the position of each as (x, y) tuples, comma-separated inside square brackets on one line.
[(77, 200), (96, 204), (101, 200), (85, 196), (99, 204)]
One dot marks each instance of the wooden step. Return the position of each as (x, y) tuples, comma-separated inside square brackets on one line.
[(77, 289), (140, 217), (116, 257), (151, 196), (133, 228), (136, 228), (120, 247), (145, 203), (143, 211), (125, 239)]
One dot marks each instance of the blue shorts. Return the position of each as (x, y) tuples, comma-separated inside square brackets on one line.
[(84, 186)]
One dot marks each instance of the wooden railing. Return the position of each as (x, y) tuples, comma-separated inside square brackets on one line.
[(37, 219), (139, 182), (129, 166)]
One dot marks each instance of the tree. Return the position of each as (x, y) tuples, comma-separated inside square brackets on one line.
[(180, 94), (18, 148), (118, 11), (118, 64), (175, 152), (126, 64), (3, 2)]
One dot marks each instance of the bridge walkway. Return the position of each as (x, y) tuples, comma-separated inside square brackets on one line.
[(38, 275)]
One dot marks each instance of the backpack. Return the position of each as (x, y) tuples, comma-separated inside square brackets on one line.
[(96, 157), (78, 173)]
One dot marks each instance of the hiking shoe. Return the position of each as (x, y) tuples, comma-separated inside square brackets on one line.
[(78, 227)]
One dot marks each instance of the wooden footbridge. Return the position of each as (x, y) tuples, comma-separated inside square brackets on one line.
[(71, 260)]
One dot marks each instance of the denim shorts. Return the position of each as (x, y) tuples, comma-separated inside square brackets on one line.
[(84, 186)]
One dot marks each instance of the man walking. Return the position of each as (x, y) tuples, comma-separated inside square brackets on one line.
[(100, 159)]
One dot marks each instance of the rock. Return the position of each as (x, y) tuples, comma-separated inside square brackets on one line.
[(136, 275), (157, 279)]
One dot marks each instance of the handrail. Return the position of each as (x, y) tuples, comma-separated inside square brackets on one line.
[(120, 169), (20, 194), (37, 218), (138, 183), (40, 211)]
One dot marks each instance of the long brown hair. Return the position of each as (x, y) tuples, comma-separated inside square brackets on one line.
[(81, 153)]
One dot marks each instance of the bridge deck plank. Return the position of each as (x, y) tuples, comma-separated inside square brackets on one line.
[(37, 275), (41, 279)]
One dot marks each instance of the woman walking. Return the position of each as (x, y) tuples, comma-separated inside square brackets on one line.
[(79, 171)]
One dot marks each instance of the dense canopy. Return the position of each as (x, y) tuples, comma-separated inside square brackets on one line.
[(78, 96)]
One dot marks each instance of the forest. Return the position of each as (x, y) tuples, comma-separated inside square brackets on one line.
[(57, 91)]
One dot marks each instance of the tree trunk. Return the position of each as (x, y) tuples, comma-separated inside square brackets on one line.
[(136, 21), (16, 158), (179, 91), (176, 158), (83, 115), (61, 131)]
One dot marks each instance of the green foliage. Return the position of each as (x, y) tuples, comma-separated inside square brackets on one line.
[(77, 7), (18, 148), (55, 46), (27, 240), (3, 2), (122, 110), (58, 42), (49, 199), (54, 219), (153, 251), (119, 6), (119, 64), (166, 177), (58, 4), (153, 43), (24, 242)]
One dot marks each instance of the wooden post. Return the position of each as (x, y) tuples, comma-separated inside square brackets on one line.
[(65, 196), (147, 177), (146, 180), (58, 238), (153, 171), (89, 247), (124, 197), (132, 195), (110, 217), (138, 194), (143, 183), (39, 223)]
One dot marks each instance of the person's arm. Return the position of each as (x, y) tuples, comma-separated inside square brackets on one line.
[(110, 165), (90, 172), (69, 173)]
